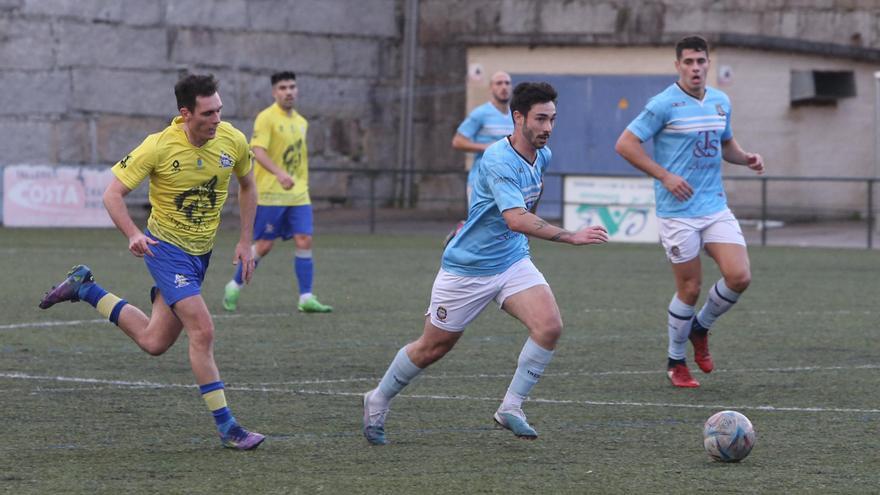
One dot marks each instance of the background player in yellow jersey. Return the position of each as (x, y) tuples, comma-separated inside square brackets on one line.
[(284, 206), (189, 165)]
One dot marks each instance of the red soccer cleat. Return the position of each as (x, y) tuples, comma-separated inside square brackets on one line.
[(680, 376), (700, 340)]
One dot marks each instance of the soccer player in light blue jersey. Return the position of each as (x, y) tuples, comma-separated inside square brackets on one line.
[(690, 125), (489, 260)]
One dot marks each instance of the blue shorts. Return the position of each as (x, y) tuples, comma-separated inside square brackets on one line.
[(177, 274), (273, 222)]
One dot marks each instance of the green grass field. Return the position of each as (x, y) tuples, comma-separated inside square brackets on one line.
[(85, 411)]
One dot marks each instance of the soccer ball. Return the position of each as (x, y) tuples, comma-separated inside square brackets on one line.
[(728, 436)]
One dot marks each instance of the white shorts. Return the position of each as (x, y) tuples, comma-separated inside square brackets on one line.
[(682, 238), (457, 300)]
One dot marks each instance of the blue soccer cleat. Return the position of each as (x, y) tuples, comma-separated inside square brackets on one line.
[(515, 421), (374, 422), (68, 289), (240, 439)]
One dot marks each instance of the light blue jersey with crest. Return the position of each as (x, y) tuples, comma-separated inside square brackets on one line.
[(485, 125), (688, 134), (485, 245)]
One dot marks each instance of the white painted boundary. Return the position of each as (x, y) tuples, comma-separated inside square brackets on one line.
[(331, 393)]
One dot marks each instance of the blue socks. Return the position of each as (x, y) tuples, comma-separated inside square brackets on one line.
[(215, 398), (109, 305), (304, 269)]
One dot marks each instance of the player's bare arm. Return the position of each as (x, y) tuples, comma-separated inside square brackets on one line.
[(630, 148), (138, 243), (525, 222), (733, 153), (262, 157), (247, 204), (462, 143)]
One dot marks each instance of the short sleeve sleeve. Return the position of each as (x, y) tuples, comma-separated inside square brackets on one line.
[(649, 122), (470, 126), (137, 165), (503, 182), (262, 132)]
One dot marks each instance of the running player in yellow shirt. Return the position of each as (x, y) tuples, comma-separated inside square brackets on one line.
[(284, 208), (189, 165)]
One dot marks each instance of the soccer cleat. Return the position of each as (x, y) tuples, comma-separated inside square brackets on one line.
[(68, 289), (374, 422), (515, 421), (680, 376), (240, 439), (230, 296), (700, 339), (312, 305)]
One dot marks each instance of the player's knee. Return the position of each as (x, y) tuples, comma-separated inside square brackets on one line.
[(739, 282), (156, 349), (549, 332), (689, 291), (202, 338)]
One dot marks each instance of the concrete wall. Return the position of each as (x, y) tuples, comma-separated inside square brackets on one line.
[(84, 81)]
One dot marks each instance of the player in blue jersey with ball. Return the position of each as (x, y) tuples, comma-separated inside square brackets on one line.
[(690, 125), (489, 260)]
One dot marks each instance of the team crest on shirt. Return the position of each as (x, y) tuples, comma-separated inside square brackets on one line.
[(441, 313), (720, 110), (180, 281), (225, 160)]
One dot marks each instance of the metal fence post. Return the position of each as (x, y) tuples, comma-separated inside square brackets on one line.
[(763, 211), (373, 202), (870, 213)]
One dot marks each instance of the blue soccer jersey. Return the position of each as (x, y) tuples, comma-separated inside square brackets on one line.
[(485, 245), (485, 125), (688, 134)]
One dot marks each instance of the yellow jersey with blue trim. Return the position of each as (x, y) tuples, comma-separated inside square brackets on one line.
[(283, 137), (188, 184)]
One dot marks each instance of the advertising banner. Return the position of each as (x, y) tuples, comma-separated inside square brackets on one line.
[(55, 196), (623, 205)]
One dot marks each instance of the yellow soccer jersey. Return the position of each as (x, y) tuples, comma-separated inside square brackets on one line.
[(188, 185), (284, 139)]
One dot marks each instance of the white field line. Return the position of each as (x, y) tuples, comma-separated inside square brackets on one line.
[(144, 384), (792, 369), (225, 316), (61, 323)]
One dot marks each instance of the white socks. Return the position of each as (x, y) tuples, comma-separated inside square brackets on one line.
[(399, 374), (530, 366), (679, 327), (719, 300)]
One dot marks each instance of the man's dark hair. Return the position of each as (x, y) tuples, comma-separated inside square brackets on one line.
[(189, 87), (283, 76), (695, 43), (526, 94)]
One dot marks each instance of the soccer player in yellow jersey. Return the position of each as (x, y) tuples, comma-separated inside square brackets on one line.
[(189, 165), (284, 208)]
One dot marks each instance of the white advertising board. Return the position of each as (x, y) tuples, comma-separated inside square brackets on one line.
[(55, 196), (623, 205)]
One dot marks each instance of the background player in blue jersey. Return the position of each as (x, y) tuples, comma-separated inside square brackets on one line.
[(489, 260), (690, 125), (486, 124)]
